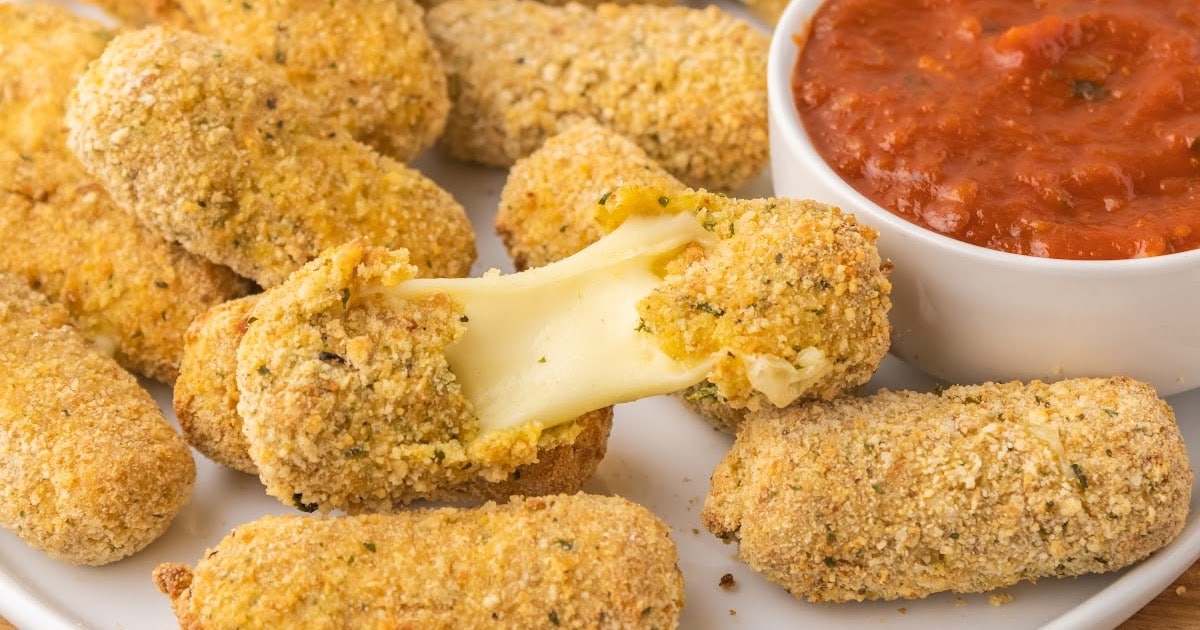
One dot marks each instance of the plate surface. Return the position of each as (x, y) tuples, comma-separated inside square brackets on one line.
[(660, 455)]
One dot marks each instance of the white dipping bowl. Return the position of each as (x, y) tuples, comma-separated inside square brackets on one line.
[(967, 314)]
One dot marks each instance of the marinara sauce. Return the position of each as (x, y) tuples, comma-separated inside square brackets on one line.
[(1056, 128)]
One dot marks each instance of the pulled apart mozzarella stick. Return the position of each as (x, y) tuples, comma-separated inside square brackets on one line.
[(571, 561), (213, 148), (903, 494), (90, 470)]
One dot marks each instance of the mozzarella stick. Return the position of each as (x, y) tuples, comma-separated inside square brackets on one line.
[(128, 289), (206, 398), (547, 212), (367, 64), (571, 561), (213, 148), (904, 494), (687, 85), (90, 470)]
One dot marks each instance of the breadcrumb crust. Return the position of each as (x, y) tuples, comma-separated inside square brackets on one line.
[(215, 149), (90, 470), (127, 288), (367, 64), (575, 561), (687, 85), (905, 494)]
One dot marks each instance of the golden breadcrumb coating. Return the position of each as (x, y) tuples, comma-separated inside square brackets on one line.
[(687, 85), (43, 51), (547, 212), (347, 400), (206, 398), (572, 561), (904, 494), (125, 287), (90, 470), (138, 13), (205, 395), (369, 65), (547, 207), (213, 148), (788, 279)]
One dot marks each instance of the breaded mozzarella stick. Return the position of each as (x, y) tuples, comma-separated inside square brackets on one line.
[(90, 470), (126, 288), (367, 64), (213, 148), (903, 494), (687, 85), (571, 561), (206, 398)]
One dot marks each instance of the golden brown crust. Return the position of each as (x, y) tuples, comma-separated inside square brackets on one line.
[(348, 402), (206, 396), (90, 470), (904, 494), (125, 287), (206, 399), (548, 204), (568, 561), (213, 148), (369, 65), (789, 284), (687, 85)]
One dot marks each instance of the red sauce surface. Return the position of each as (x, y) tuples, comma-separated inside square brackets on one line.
[(1057, 128)]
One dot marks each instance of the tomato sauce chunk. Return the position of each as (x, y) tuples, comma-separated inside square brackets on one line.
[(1054, 128)]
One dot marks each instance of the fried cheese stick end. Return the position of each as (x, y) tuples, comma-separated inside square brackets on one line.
[(547, 212), (361, 384), (213, 148), (90, 470), (904, 494), (687, 85), (571, 560), (368, 64), (206, 397)]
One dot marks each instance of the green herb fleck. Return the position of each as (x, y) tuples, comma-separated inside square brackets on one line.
[(778, 258), (829, 561), (700, 392), (971, 400), (439, 455), (541, 359), (264, 370), (715, 311), (345, 296), (160, 284), (280, 56), (877, 487), (642, 327), (565, 544), (1112, 413), (604, 197), (664, 200), (1078, 470), (370, 546), (553, 617), (246, 6), (647, 610), (953, 535), (354, 452)]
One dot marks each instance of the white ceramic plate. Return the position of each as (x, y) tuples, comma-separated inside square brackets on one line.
[(660, 456)]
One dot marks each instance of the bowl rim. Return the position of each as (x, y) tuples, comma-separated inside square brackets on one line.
[(786, 41)]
